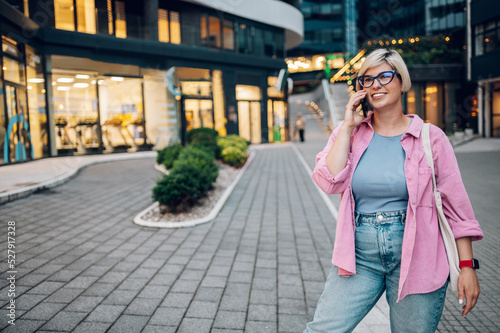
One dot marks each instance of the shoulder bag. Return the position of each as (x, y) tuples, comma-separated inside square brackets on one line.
[(448, 238)]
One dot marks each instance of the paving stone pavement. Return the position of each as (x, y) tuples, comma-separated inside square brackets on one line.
[(83, 266), (260, 266)]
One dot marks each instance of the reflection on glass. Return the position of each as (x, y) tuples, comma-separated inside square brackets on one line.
[(36, 105), (121, 113), (255, 122), (64, 16), (86, 15), (75, 112)]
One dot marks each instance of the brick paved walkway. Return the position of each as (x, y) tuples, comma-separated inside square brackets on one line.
[(83, 266)]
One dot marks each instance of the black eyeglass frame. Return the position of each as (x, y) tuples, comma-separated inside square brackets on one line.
[(394, 73)]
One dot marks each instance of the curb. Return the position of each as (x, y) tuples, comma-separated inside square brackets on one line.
[(191, 223), (60, 180)]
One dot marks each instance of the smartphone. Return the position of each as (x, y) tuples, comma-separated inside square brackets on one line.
[(364, 107)]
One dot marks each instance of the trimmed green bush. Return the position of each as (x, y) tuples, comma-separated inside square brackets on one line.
[(202, 132), (204, 136), (168, 155), (234, 156), (232, 141), (191, 177), (177, 190)]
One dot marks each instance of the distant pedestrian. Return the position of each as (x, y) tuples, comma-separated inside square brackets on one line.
[(300, 125), (388, 237)]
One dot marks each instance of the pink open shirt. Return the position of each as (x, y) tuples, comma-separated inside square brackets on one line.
[(424, 265)]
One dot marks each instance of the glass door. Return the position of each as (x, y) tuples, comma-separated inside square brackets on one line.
[(249, 121), (199, 113), (16, 147)]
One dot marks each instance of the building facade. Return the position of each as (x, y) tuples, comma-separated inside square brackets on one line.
[(102, 76), (483, 67)]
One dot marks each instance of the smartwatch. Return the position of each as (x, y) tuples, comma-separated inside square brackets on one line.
[(474, 263)]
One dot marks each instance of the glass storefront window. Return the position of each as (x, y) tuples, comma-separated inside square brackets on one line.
[(495, 112), (121, 107), (36, 104), (160, 110), (75, 112), (228, 34), (120, 20), (64, 14), (86, 16)]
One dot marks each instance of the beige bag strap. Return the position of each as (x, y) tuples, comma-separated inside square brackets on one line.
[(426, 138), (446, 232)]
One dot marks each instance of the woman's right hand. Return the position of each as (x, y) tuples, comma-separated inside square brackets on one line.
[(352, 118)]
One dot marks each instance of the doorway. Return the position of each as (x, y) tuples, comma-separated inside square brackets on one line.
[(249, 121), (16, 147)]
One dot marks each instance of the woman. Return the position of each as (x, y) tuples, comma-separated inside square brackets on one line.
[(387, 236)]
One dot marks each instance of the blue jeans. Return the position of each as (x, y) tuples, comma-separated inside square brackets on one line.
[(346, 300)]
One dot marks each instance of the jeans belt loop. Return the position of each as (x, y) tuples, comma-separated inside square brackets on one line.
[(356, 219)]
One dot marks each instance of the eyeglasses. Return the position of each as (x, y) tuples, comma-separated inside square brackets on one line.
[(384, 78)]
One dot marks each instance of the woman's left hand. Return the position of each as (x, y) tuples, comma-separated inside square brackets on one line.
[(468, 289)]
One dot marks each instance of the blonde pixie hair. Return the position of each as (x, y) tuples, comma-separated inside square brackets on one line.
[(391, 57)]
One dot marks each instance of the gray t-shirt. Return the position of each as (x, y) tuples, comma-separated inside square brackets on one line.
[(379, 183)]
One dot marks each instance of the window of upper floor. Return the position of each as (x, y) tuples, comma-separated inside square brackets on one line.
[(487, 37)]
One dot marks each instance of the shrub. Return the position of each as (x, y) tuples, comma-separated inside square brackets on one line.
[(234, 156), (206, 137), (232, 141), (202, 132), (204, 171), (194, 152), (191, 177), (177, 190), (203, 147), (168, 155)]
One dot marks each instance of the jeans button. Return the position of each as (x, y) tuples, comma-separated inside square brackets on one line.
[(380, 217)]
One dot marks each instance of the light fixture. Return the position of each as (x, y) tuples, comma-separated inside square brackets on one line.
[(4, 68), (82, 76), (93, 82), (63, 88), (80, 85), (117, 78), (36, 80), (65, 79)]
